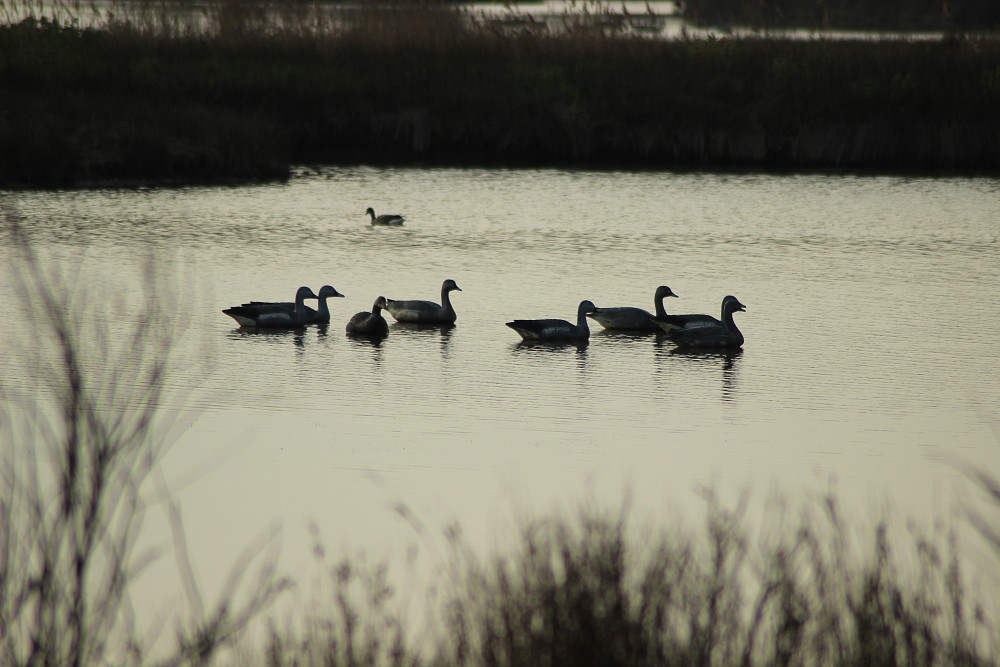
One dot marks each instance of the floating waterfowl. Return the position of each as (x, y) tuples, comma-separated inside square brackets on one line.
[(670, 323), (385, 218), (426, 312), (627, 318), (320, 315), (251, 316), (556, 330), (368, 323), (724, 334)]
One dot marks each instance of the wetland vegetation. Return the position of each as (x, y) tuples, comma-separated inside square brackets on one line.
[(892, 15), (242, 94)]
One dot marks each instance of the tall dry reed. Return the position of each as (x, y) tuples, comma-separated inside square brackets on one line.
[(593, 588)]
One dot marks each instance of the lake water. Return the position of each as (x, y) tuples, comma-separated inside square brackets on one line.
[(870, 364)]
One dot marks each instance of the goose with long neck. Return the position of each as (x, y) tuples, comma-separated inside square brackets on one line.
[(556, 330), (319, 315), (670, 323), (724, 334), (426, 312), (627, 318), (369, 323), (385, 218), (296, 316)]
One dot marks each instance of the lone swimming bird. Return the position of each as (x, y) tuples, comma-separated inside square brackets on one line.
[(385, 218), (320, 315), (370, 323), (426, 312), (724, 334), (250, 316), (556, 330), (628, 318)]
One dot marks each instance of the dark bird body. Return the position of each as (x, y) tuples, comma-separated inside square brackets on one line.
[(723, 334), (426, 312), (555, 330), (385, 218), (628, 318), (320, 315), (669, 323), (369, 323), (249, 315)]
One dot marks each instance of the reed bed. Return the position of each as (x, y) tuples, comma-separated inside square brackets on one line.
[(848, 14), (242, 91)]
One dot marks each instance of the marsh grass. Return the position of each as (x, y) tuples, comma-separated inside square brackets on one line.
[(584, 591), (240, 91), (591, 588), (348, 619), (847, 14)]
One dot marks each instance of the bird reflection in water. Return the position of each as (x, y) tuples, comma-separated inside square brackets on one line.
[(444, 331), (404, 328), (551, 347), (727, 361), (624, 335), (297, 336), (545, 347), (537, 350), (374, 343), (364, 341)]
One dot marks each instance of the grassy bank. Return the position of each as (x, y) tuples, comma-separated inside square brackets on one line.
[(247, 96)]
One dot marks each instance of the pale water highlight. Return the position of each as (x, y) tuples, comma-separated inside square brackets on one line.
[(870, 363)]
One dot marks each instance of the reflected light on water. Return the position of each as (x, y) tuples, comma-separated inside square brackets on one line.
[(869, 352)]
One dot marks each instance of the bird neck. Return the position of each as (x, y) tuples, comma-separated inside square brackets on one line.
[(446, 299), (661, 312), (727, 319)]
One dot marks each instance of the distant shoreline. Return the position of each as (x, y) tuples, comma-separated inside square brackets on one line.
[(125, 105)]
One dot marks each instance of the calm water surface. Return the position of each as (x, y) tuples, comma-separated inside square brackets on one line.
[(871, 361)]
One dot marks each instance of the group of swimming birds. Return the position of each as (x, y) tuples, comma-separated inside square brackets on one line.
[(697, 331), (692, 331)]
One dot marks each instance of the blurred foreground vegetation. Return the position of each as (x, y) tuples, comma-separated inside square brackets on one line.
[(242, 91), (593, 589), (79, 460)]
